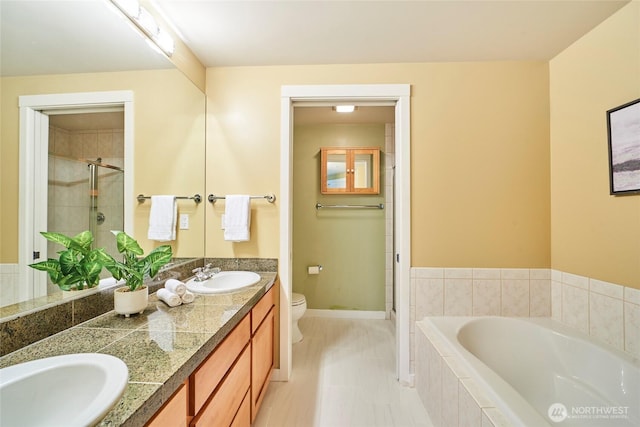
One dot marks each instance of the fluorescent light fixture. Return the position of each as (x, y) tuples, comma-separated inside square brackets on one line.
[(345, 108), (146, 23), (130, 7)]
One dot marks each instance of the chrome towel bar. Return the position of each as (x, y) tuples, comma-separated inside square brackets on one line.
[(321, 206), (196, 198), (270, 197)]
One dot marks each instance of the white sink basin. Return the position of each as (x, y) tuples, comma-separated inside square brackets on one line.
[(225, 281), (70, 390)]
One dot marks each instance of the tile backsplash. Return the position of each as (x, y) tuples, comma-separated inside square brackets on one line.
[(606, 311)]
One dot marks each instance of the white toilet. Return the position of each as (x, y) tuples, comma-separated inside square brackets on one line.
[(298, 307)]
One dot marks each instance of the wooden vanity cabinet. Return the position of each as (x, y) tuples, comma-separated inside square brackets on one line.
[(262, 341), (226, 390)]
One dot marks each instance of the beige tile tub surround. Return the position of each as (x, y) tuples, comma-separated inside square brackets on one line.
[(606, 311), (518, 292), (452, 397)]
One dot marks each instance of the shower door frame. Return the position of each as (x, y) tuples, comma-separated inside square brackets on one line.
[(34, 137)]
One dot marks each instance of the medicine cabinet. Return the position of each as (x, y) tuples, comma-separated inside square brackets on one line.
[(350, 170)]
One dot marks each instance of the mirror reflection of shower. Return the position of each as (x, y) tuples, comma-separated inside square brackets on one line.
[(86, 177)]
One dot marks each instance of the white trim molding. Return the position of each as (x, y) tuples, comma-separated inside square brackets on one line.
[(33, 169), (399, 94)]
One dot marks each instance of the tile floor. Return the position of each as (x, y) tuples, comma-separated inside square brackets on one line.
[(343, 375)]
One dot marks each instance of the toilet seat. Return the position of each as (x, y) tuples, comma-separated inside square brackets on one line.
[(297, 299)]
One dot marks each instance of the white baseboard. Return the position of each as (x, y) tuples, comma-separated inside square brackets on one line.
[(345, 314)]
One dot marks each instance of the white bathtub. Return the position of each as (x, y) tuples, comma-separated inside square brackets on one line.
[(527, 372)]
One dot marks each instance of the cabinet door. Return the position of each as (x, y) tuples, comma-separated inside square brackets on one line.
[(261, 362), (207, 377), (223, 406), (334, 171), (365, 169), (174, 412)]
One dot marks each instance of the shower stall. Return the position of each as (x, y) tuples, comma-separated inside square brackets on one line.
[(85, 182)]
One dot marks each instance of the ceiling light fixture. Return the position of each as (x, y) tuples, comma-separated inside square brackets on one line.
[(345, 108), (146, 23)]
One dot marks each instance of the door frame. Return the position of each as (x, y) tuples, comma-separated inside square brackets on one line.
[(34, 139), (400, 94)]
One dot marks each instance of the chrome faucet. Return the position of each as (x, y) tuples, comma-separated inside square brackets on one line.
[(200, 275), (209, 271)]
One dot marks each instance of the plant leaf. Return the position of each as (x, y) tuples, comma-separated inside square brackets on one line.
[(57, 238), (84, 241), (68, 261), (157, 258), (128, 244), (48, 265)]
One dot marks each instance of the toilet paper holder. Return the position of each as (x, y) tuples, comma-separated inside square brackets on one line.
[(314, 269)]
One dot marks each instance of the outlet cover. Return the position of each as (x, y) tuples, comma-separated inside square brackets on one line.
[(184, 221)]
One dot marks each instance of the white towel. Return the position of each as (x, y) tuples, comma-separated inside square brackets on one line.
[(168, 297), (175, 286), (162, 218), (237, 218), (188, 297)]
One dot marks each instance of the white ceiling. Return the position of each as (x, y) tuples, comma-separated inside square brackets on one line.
[(73, 36), (54, 36), (230, 33)]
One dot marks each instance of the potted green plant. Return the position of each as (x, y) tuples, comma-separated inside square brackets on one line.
[(78, 266), (134, 267)]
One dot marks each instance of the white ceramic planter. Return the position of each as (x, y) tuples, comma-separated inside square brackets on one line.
[(128, 303)]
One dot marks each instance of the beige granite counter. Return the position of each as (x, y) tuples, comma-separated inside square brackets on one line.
[(161, 347)]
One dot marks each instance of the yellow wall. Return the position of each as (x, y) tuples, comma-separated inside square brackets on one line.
[(479, 147), (168, 139), (349, 244), (593, 234)]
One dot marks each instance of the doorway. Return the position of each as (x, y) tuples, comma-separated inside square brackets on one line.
[(85, 177), (34, 167), (399, 94), (347, 234)]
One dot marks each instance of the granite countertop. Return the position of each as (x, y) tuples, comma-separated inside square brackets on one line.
[(161, 347)]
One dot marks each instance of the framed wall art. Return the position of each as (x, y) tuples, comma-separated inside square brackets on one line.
[(623, 127)]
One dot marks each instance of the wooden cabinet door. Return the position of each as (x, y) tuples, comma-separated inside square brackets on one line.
[(261, 361), (207, 377), (221, 410), (174, 412)]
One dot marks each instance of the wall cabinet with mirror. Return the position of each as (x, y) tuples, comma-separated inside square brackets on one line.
[(350, 170)]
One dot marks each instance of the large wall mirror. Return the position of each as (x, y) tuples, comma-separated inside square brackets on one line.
[(63, 47)]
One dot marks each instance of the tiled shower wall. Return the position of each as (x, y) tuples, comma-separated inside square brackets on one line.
[(389, 163), (606, 311), (9, 281), (69, 183)]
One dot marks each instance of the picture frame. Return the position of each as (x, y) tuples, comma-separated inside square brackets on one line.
[(623, 130)]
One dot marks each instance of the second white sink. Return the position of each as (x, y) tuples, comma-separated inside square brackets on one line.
[(226, 281), (69, 390)]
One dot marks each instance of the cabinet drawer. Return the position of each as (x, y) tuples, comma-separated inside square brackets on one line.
[(261, 309), (174, 412), (213, 369), (221, 410)]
